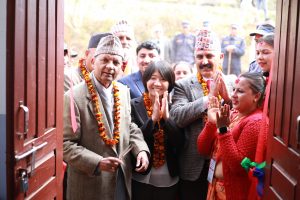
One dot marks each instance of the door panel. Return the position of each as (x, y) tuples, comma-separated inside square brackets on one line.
[(37, 69), (283, 152), (31, 55)]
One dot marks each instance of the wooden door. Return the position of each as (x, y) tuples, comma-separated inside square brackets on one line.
[(34, 98), (283, 156)]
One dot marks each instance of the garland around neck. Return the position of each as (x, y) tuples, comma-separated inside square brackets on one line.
[(159, 139), (101, 128)]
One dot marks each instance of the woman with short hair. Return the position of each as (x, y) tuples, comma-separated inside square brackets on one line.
[(151, 113)]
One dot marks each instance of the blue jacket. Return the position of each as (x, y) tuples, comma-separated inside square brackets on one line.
[(237, 53), (135, 84), (183, 47), (254, 67)]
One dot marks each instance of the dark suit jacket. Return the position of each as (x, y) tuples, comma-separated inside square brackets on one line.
[(173, 135), (135, 84)]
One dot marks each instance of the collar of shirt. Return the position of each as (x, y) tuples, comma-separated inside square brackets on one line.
[(106, 92)]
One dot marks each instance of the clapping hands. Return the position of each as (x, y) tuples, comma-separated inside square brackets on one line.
[(219, 87), (218, 114), (160, 109), (213, 108), (222, 117)]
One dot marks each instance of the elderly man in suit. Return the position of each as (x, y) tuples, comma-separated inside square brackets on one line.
[(146, 52), (189, 112), (98, 137)]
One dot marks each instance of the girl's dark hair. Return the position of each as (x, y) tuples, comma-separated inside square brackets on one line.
[(257, 84), (164, 69)]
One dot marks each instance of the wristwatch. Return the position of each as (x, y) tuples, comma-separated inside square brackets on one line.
[(222, 130)]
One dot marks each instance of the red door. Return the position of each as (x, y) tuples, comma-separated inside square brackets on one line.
[(34, 99), (283, 156)]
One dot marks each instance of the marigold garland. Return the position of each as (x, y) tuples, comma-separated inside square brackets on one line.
[(93, 93), (203, 84), (159, 145)]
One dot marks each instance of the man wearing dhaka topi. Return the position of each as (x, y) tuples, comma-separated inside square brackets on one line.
[(100, 141), (189, 109)]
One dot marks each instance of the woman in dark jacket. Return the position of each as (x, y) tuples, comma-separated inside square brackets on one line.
[(151, 113)]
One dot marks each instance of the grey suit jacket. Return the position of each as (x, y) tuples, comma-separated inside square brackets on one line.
[(84, 149), (186, 110)]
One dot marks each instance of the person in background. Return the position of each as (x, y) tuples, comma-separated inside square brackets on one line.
[(151, 113), (125, 32), (265, 57), (182, 70), (261, 30), (162, 42), (183, 45), (73, 76), (233, 48), (265, 53), (189, 107), (100, 141), (231, 135), (262, 5), (146, 52)]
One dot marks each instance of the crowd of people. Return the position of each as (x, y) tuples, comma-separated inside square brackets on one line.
[(164, 120)]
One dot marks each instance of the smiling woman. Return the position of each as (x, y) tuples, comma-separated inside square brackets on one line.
[(230, 136), (265, 52), (151, 113)]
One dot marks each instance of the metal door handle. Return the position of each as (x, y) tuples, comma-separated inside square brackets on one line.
[(27, 153), (26, 118), (298, 130)]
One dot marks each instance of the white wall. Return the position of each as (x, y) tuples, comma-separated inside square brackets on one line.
[(3, 99)]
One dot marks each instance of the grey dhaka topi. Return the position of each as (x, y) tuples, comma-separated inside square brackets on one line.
[(110, 44)]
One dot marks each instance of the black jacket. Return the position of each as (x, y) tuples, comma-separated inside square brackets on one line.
[(174, 137)]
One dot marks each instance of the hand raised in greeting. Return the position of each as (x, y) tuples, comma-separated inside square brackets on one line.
[(156, 113), (213, 108), (165, 106)]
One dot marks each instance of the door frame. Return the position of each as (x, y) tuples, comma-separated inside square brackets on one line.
[(3, 187)]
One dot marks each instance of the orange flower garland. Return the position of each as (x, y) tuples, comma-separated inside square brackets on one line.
[(203, 84), (93, 93), (159, 145), (82, 67)]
